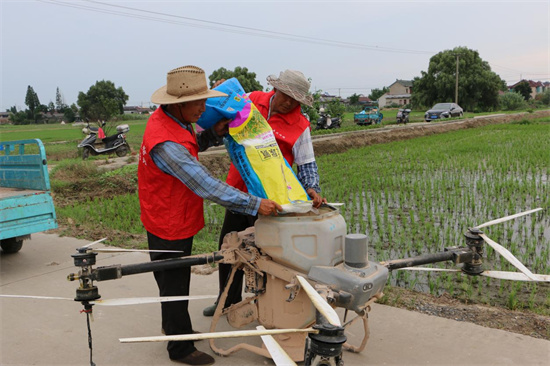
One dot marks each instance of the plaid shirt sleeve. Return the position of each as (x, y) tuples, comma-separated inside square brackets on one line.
[(304, 158), (308, 175), (175, 159)]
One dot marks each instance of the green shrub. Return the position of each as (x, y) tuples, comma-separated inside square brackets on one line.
[(511, 101), (544, 98)]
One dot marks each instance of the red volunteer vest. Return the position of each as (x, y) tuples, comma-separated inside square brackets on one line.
[(287, 128), (169, 209)]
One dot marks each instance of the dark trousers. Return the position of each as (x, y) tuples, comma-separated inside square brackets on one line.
[(233, 222), (175, 282)]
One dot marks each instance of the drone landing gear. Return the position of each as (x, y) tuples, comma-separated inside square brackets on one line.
[(87, 291)]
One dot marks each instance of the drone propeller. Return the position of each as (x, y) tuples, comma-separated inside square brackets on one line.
[(121, 301), (320, 303), (501, 275), (509, 256), (121, 250), (217, 335), (278, 354), (507, 218), (93, 243)]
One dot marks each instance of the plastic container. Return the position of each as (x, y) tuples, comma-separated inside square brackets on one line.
[(301, 241)]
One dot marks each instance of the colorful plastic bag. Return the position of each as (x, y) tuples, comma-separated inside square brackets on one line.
[(253, 149)]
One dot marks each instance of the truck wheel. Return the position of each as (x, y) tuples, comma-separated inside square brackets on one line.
[(121, 151), (85, 153), (11, 245)]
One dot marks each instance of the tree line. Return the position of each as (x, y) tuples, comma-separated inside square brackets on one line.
[(479, 90)]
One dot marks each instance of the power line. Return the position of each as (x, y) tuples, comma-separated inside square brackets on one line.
[(225, 27)]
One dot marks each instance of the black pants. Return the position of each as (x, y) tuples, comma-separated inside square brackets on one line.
[(233, 222), (174, 282)]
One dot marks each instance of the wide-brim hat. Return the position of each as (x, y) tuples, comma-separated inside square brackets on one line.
[(184, 84), (294, 84)]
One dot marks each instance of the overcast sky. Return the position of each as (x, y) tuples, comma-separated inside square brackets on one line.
[(345, 47)]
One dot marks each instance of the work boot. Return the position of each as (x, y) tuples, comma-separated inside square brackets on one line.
[(210, 310)]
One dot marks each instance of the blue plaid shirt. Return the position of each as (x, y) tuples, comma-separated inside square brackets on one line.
[(174, 159)]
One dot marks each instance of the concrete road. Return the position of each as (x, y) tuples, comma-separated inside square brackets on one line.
[(49, 332)]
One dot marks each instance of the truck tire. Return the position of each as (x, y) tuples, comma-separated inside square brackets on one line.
[(11, 245)]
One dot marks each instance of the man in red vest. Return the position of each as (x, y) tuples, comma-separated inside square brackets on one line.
[(172, 185), (281, 107)]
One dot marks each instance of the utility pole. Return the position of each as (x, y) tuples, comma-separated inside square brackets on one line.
[(456, 84)]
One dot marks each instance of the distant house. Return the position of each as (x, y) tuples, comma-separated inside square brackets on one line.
[(400, 94), (537, 87), (327, 98), (4, 117), (365, 100), (137, 110)]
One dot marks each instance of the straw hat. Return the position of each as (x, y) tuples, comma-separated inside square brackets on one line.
[(294, 84), (184, 84)]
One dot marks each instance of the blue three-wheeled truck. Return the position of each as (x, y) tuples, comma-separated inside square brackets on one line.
[(26, 204)]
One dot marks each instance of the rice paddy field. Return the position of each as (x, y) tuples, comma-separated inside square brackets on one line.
[(420, 196)]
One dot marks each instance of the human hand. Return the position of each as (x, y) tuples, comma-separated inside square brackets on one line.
[(268, 207), (222, 126), (217, 83), (316, 197)]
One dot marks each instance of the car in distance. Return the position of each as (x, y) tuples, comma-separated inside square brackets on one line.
[(443, 110)]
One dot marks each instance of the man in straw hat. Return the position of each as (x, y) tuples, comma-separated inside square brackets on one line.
[(281, 107), (172, 185)]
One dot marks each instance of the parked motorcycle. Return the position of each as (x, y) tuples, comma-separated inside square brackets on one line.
[(403, 116), (325, 122), (111, 144)]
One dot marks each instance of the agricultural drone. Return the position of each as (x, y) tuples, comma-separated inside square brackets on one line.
[(297, 269)]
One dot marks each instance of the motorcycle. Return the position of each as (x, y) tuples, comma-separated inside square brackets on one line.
[(111, 144), (403, 116), (325, 122)]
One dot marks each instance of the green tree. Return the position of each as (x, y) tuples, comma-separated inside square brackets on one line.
[(59, 102), (17, 117), (32, 101), (545, 97), (524, 89), (354, 99), (478, 86), (376, 93), (68, 114), (313, 111), (246, 78), (336, 108), (102, 101)]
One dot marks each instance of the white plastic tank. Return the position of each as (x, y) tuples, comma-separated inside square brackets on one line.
[(301, 241)]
